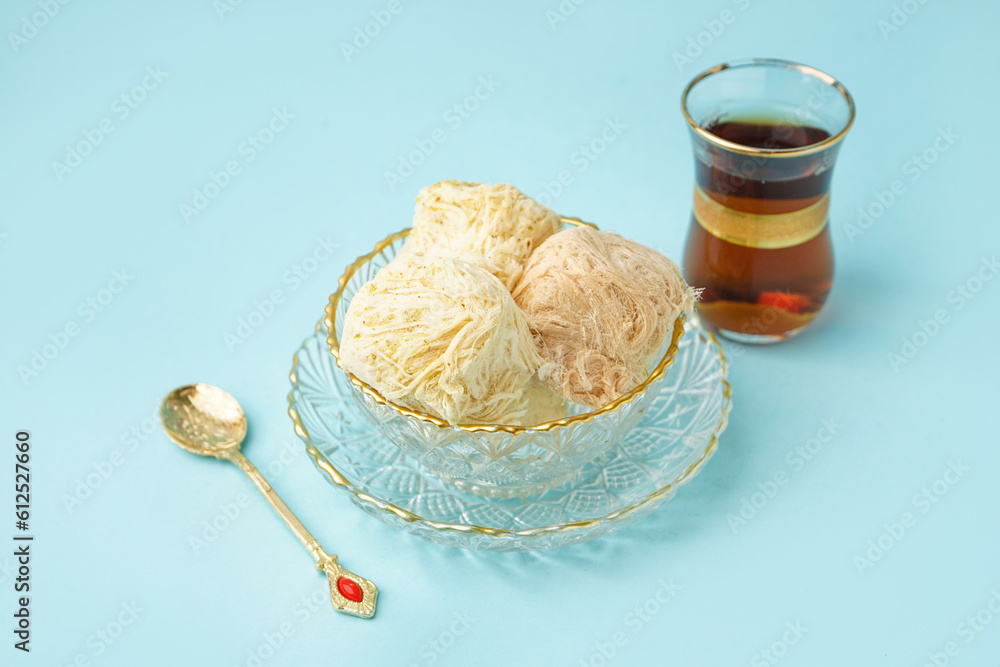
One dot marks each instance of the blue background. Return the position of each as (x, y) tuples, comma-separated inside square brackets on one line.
[(899, 425)]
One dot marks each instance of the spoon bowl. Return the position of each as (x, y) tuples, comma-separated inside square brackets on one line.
[(203, 419)]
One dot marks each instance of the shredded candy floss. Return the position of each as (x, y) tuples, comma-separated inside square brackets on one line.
[(443, 336), (496, 222), (600, 307)]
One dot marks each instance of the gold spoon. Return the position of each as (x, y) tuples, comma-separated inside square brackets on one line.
[(207, 421)]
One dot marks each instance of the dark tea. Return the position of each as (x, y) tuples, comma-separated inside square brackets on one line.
[(759, 245), (765, 135)]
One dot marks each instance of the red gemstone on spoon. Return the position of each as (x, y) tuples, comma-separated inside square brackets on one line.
[(350, 589)]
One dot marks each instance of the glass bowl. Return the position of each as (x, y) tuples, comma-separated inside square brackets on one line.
[(639, 473), (492, 460)]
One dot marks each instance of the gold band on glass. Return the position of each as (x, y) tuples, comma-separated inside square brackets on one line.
[(757, 230)]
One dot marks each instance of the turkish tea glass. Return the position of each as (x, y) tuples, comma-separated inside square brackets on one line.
[(765, 135)]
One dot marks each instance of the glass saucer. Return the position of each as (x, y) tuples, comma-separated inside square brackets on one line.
[(671, 443)]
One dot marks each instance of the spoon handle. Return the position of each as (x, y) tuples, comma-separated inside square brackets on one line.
[(305, 537), (349, 592)]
